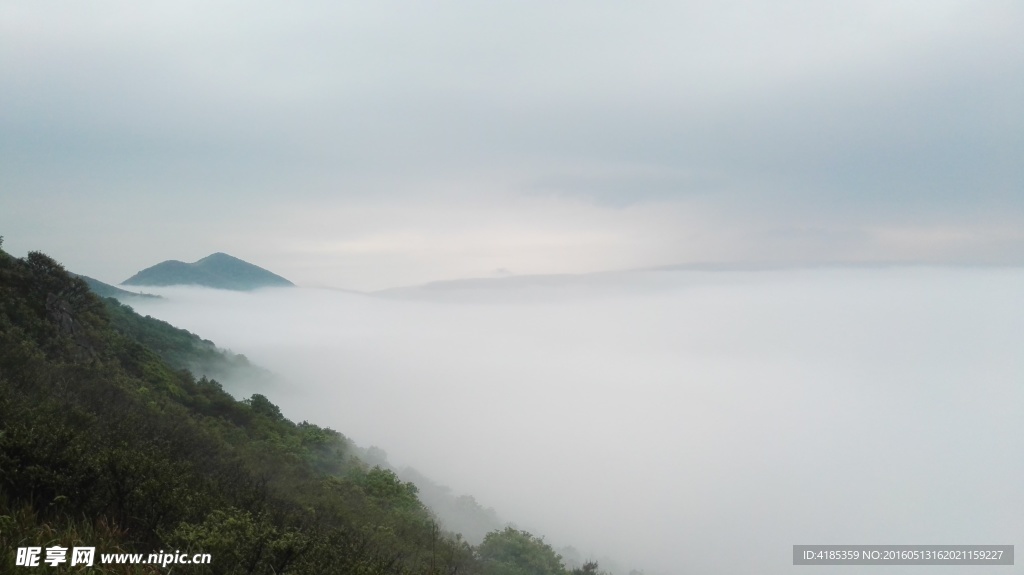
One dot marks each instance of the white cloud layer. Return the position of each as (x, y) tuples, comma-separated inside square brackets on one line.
[(677, 421)]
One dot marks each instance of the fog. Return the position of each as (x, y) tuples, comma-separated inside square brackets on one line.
[(677, 421)]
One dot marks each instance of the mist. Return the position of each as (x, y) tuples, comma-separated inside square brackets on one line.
[(676, 421)]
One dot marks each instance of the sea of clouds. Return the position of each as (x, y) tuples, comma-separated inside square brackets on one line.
[(676, 421)]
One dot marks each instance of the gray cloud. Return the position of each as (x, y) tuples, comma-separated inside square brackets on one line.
[(846, 117)]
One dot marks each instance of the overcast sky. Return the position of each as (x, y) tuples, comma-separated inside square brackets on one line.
[(369, 145)]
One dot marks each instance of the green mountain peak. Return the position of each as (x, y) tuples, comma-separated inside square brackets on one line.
[(217, 270)]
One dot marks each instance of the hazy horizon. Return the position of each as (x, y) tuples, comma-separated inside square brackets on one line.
[(507, 279)]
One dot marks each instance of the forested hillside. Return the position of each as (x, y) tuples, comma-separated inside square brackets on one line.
[(107, 441)]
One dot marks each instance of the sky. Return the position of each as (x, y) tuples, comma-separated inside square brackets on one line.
[(379, 144)]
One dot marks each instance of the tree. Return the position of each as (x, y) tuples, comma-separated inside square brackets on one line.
[(261, 405), (589, 568), (515, 552), (387, 489)]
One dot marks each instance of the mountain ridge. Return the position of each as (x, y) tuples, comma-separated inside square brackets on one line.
[(105, 290)]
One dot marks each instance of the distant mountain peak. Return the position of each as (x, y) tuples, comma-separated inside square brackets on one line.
[(219, 256), (217, 270)]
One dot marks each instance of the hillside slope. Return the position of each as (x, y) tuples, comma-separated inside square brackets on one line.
[(103, 443), (105, 290)]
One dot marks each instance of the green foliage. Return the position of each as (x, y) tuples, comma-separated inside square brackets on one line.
[(515, 552), (24, 527), (262, 406), (388, 490), (242, 542)]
